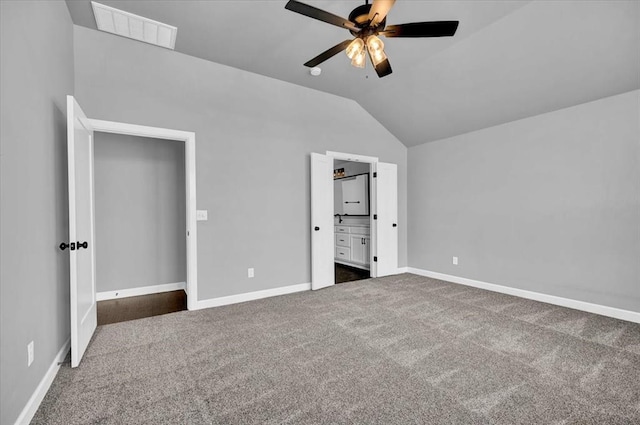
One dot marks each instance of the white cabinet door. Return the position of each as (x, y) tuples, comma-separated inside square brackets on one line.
[(322, 241), (357, 249), (82, 271), (367, 250)]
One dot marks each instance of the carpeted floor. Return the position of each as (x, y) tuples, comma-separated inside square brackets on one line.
[(397, 350)]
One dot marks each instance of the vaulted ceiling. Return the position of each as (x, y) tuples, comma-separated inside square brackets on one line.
[(508, 60)]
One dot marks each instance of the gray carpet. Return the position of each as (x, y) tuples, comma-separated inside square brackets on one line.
[(398, 350)]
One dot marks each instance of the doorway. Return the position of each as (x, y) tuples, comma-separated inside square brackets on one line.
[(352, 220), (139, 221), (383, 228)]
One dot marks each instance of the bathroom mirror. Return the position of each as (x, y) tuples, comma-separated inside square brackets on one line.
[(351, 195)]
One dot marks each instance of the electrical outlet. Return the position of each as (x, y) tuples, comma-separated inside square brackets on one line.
[(455, 261), (250, 272), (30, 353)]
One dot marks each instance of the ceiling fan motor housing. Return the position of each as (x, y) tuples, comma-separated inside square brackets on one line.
[(360, 17)]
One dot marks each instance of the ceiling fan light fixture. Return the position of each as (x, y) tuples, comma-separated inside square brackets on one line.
[(359, 59), (355, 48), (377, 56), (374, 44)]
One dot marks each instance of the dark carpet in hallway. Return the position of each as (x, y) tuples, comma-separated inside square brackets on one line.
[(395, 350)]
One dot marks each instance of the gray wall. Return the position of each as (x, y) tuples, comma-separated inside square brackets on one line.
[(253, 139), (140, 212), (36, 53), (549, 204)]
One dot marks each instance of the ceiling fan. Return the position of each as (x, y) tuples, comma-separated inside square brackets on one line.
[(366, 23)]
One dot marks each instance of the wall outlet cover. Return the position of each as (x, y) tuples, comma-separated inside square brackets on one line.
[(455, 261), (250, 272)]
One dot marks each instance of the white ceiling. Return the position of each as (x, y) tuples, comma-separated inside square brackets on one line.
[(508, 60)]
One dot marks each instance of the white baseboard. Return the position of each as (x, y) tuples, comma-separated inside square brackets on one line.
[(403, 270), (144, 290), (36, 398), (250, 296), (603, 310)]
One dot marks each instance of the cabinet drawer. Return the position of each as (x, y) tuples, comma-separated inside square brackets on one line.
[(360, 230), (342, 229), (342, 240), (343, 254)]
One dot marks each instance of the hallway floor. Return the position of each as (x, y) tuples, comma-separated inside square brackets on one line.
[(349, 274), (131, 308)]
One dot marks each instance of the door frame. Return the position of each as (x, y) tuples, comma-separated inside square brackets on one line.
[(189, 139), (373, 201)]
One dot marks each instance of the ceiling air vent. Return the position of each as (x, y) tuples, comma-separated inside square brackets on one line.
[(133, 26)]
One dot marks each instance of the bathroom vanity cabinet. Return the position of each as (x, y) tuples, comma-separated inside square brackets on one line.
[(353, 245)]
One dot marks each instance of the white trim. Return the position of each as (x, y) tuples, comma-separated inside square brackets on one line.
[(36, 398), (630, 316), (352, 157), (190, 185), (250, 296), (403, 270), (139, 130), (142, 290)]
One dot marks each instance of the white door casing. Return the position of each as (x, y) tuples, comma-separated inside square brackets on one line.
[(386, 235), (82, 271), (322, 239), (191, 231)]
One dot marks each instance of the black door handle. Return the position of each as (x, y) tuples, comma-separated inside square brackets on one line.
[(71, 246), (84, 244), (316, 228)]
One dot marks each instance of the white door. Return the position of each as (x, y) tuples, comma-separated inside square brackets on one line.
[(82, 274), (322, 242), (386, 234)]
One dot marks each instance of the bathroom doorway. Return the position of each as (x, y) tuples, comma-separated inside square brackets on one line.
[(352, 220), (383, 218)]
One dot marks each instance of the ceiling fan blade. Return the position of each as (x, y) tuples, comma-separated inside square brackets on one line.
[(321, 15), (422, 29), (328, 54), (379, 10)]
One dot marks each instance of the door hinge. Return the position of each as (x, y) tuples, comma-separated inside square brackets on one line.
[(375, 174), (375, 259)]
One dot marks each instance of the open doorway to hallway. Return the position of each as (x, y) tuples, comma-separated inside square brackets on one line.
[(140, 218)]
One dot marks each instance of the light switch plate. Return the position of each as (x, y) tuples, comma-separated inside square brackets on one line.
[(455, 261), (202, 215)]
